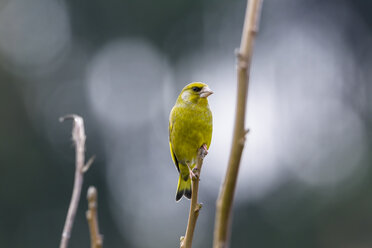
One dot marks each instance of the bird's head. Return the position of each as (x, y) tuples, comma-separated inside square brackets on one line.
[(195, 92)]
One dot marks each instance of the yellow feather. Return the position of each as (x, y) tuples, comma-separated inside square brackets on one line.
[(190, 127)]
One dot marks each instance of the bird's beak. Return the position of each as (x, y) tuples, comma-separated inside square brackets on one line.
[(205, 92)]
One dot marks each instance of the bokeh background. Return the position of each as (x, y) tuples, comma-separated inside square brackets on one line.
[(306, 173)]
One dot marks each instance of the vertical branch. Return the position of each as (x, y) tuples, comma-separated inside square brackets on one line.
[(186, 241), (226, 196), (96, 240), (78, 136)]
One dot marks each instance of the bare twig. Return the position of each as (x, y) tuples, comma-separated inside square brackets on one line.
[(186, 241), (88, 164), (226, 196), (96, 240), (78, 136)]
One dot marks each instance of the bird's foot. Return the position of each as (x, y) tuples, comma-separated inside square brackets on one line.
[(195, 171), (194, 174), (203, 151)]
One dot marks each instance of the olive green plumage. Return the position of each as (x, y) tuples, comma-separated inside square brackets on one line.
[(190, 127)]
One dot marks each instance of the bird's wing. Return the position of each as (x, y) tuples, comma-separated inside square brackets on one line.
[(174, 158)]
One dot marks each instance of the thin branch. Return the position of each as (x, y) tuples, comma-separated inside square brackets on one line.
[(226, 196), (186, 241), (96, 240), (88, 164), (78, 136)]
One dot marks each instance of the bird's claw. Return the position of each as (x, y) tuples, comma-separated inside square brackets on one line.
[(194, 173), (203, 151)]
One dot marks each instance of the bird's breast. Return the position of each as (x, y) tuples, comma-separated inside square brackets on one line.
[(191, 129)]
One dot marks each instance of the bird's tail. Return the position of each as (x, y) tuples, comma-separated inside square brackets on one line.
[(184, 187)]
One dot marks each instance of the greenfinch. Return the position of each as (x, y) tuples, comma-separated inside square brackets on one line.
[(190, 128)]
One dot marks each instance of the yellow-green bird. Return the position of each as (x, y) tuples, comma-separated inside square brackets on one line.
[(190, 127)]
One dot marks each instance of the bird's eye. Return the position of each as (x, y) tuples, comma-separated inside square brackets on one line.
[(196, 89)]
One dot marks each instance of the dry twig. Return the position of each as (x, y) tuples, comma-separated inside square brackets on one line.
[(78, 136), (96, 240), (226, 196), (186, 241)]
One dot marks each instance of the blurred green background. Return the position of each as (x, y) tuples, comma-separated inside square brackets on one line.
[(305, 178)]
